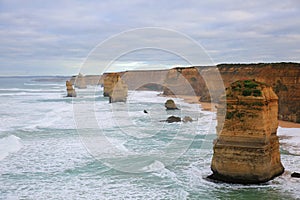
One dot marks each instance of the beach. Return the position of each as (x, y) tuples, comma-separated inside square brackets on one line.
[(212, 107)]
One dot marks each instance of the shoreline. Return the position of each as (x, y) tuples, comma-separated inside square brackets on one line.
[(212, 107)]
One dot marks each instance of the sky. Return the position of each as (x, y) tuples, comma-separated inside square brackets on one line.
[(57, 37)]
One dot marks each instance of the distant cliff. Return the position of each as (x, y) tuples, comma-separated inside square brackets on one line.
[(283, 77), (81, 81)]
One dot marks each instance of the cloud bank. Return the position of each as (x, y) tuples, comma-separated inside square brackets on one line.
[(54, 37)]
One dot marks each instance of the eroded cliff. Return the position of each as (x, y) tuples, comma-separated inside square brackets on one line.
[(283, 77)]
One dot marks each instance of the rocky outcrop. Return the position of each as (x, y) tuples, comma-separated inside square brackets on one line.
[(247, 147), (170, 105), (173, 119), (187, 119), (295, 175), (70, 90)]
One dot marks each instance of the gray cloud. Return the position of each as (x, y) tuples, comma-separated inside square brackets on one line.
[(39, 37)]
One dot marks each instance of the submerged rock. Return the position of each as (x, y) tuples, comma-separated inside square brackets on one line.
[(172, 119), (187, 119), (170, 105), (247, 147), (295, 175), (70, 90)]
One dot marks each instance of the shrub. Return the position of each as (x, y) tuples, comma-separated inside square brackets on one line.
[(240, 115), (257, 104), (229, 115), (250, 84), (247, 92), (256, 93)]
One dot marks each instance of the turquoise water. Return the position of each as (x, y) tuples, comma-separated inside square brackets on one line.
[(43, 155)]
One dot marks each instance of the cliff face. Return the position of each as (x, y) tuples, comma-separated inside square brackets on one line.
[(147, 80), (81, 81), (283, 77), (247, 148), (184, 81)]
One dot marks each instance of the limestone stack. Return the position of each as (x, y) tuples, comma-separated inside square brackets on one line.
[(170, 105), (247, 147), (70, 90), (119, 92), (114, 87), (109, 82)]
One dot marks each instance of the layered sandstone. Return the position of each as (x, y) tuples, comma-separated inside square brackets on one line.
[(115, 88), (70, 90), (247, 147), (82, 81), (119, 92), (109, 82), (283, 77)]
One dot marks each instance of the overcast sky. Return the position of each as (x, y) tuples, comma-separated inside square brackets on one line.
[(55, 37)]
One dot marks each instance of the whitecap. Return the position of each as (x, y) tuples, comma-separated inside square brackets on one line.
[(290, 139), (48, 84), (154, 166), (8, 145)]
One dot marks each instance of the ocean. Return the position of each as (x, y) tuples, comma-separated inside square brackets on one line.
[(48, 150)]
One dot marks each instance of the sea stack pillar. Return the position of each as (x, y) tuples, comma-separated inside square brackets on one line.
[(115, 88), (247, 147), (70, 90)]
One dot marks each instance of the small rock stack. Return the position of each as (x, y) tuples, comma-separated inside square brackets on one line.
[(247, 147), (70, 90), (170, 105)]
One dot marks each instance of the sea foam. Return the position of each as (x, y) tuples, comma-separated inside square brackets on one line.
[(8, 145)]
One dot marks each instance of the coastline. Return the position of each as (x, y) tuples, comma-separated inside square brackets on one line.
[(212, 107)]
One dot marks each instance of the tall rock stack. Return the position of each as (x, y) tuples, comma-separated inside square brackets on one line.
[(115, 88), (109, 82), (119, 92), (247, 147), (70, 90)]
